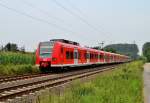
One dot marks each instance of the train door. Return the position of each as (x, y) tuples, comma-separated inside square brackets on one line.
[(62, 55), (75, 56), (105, 57), (88, 57)]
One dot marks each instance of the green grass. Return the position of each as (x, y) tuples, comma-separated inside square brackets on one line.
[(18, 69), (14, 63), (123, 85), (16, 58)]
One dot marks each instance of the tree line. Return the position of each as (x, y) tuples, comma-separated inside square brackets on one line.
[(129, 49), (12, 47), (125, 49), (146, 51)]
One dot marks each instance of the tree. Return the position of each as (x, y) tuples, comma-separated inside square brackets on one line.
[(11, 47), (126, 49), (112, 50), (147, 54), (146, 50), (8, 47)]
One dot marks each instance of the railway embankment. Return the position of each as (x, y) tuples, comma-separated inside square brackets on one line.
[(122, 85)]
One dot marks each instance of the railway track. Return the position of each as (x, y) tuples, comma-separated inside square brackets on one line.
[(20, 87), (20, 77)]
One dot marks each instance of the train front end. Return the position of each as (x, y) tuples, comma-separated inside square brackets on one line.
[(44, 55)]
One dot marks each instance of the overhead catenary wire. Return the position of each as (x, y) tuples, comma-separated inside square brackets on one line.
[(51, 16), (75, 8), (76, 15), (34, 18), (43, 11), (83, 14)]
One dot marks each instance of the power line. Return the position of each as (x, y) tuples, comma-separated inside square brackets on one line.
[(32, 17), (43, 11), (40, 10), (76, 8), (74, 14), (81, 13)]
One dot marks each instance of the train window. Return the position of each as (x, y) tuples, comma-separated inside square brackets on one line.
[(88, 55), (106, 58), (67, 55), (101, 56), (46, 49), (96, 56), (75, 55), (91, 56)]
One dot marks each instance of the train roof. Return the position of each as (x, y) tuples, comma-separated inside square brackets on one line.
[(66, 41)]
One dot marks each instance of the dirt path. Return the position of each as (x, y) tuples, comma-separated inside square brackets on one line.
[(146, 83)]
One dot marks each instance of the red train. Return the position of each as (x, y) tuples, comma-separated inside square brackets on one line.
[(60, 53)]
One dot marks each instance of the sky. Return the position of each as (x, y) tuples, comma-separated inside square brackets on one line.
[(89, 22)]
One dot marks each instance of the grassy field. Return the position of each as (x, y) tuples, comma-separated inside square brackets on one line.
[(14, 63), (123, 85), (19, 69), (16, 58)]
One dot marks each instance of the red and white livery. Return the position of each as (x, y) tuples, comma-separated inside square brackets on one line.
[(63, 53)]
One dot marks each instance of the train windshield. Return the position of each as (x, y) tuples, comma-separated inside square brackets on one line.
[(46, 49)]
